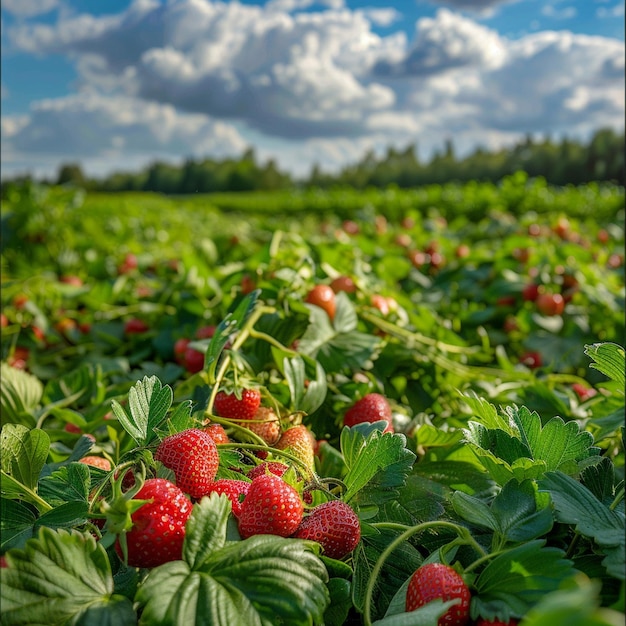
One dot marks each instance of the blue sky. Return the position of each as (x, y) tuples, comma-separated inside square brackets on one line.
[(118, 84)]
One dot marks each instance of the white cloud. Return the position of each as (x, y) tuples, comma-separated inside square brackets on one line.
[(308, 87), (29, 8), (615, 11), (92, 127)]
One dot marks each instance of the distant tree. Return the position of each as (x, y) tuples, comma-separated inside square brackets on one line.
[(71, 173)]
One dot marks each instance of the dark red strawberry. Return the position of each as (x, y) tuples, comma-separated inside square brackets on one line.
[(436, 580), (334, 525), (372, 407), (230, 406), (496, 622), (158, 527), (236, 490), (217, 432), (272, 467), (299, 441), (271, 507), (192, 455)]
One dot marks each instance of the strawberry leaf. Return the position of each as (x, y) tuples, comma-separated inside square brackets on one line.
[(609, 358), (20, 395), (575, 504), (16, 521), (206, 529), (522, 575), (61, 577), (305, 397), (70, 482), (260, 581), (24, 453), (378, 463), (231, 323), (149, 403)]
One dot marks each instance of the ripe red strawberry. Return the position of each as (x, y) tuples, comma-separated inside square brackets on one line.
[(217, 432), (192, 455), (158, 530), (372, 407), (271, 507), (273, 467), (299, 441), (97, 461), (436, 580), (334, 525), (323, 296), (230, 406), (135, 326), (265, 424), (236, 490)]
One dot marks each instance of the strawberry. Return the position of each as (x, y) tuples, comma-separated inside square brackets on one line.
[(271, 507), (236, 490), (97, 461), (372, 407), (299, 441), (217, 432), (334, 525), (323, 296), (230, 406), (265, 424), (158, 527), (496, 622), (192, 455), (272, 467), (436, 580)]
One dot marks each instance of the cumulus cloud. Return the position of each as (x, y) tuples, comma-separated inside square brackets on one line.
[(90, 126), (29, 8), (474, 6), (195, 75)]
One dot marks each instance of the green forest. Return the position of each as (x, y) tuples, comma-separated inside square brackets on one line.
[(559, 162)]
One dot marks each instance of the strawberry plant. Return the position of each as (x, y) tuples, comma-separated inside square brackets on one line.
[(305, 465)]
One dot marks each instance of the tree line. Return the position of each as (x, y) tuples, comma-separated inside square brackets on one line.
[(559, 162)]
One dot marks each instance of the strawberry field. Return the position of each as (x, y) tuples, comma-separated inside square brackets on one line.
[(391, 407)]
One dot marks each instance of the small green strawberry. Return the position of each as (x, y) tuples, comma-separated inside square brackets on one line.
[(158, 526), (230, 406), (271, 507), (192, 455), (436, 580), (334, 525), (372, 407)]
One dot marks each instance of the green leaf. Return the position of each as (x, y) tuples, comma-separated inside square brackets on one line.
[(524, 574), (577, 605), (610, 359), (58, 578), (231, 323), (16, 523), (66, 515), (305, 398), (487, 412), (263, 580), (473, 510), (206, 529), (377, 463), (181, 417), (24, 453), (20, 395), (575, 504), (340, 592), (149, 403), (516, 512), (69, 482)]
